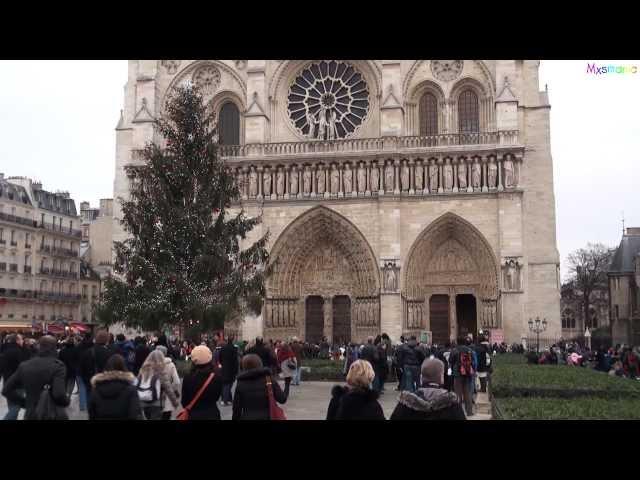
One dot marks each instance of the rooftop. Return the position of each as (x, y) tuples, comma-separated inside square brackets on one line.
[(626, 253)]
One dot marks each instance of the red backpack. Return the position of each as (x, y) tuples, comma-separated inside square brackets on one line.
[(466, 364)]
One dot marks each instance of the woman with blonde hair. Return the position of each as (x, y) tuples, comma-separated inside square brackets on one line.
[(153, 385), (357, 400)]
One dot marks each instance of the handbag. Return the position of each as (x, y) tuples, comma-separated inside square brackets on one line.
[(184, 414), (275, 412), (47, 409)]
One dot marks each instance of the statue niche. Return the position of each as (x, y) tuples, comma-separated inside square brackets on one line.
[(511, 275)]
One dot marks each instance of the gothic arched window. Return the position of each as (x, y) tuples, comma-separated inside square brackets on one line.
[(468, 112), (568, 319), (229, 124), (428, 112)]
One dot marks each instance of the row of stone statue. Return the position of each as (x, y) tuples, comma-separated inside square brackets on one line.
[(280, 313), (434, 176)]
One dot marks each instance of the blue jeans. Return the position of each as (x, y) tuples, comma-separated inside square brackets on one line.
[(226, 392), (13, 412), (83, 398), (297, 376), (410, 377)]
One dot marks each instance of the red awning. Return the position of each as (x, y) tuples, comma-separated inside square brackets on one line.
[(79, 327), (55, 329)]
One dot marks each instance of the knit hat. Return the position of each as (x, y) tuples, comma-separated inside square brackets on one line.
[(201, 355)]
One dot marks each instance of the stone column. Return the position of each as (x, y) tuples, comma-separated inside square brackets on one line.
[(260, 169), (469, 165), (341, 179), (454, 169), (484, 177), (453, 321), (245, 190), (499, 165), (396, 174), (440, 162), (412, 177), (367, 179), (328, 318), (312, 169)]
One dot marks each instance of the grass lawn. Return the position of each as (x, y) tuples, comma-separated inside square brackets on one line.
[(554, 392)]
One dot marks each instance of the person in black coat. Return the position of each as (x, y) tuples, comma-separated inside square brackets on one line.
[(13, 354), (95, 359), (114, 396), (206, 407), (68, 356), (34, 374), (356, 401), (410, 357), (431, 401), (266, 354), (229, 362), (142, 352), (251, 400)]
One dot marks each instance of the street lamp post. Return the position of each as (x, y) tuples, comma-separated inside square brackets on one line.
[(537, 327)]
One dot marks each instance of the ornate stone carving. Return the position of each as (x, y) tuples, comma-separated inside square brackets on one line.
[(362, 178), (171, 66), (241, 64), (347, 176), (448, 176), (388, 177), (306, 180), (446, 70), (404, 177), (419, 176), (492, 174), (207, 78), (462, 175), (280, 182), (253, 182), (266, 182), (511, 274), (390, 275), (335, 180), (433, 177), (375, 178), (293, 181), (509, 173), (476, 175)]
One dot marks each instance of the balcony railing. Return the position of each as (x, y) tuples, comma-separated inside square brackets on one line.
[(60, 229), (59, 251), (27, 269), (381, 144), (20, 220), (13, 267), (39, 295), (58, 273)]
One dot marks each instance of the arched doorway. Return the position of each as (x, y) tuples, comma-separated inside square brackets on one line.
[(452, 276), (322, 255), (314, 316)]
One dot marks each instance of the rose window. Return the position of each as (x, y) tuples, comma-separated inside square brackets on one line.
[(207, 78), (328, 100)]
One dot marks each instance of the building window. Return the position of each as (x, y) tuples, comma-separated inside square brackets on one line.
[(468, 112), (617, 315), (568, 319), (229, 124), (428, 112), (42, 220)]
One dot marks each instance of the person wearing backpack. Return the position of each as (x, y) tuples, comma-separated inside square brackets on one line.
[(463, 372), (126, 348), (202, 386), (153, 384)]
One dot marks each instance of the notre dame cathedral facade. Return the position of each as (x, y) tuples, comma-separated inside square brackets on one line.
[(401, 196)]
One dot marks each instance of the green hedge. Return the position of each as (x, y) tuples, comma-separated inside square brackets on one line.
[(586, 408)]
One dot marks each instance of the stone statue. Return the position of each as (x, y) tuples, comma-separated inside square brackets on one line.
[(448, 176), (312, 125), (253, 182), (493, 173), (375, 178), (322, 124), (347, 176), (462, 175), (362, 178), (476, 175), (433, 177), (388, 178), (280, 182), (332, 126), (404, 177), (306, 180), (335, 180), (509, 176), (511, 271), (321, 181), (266, 182), (419, 174), (390, 278), (293, 180)]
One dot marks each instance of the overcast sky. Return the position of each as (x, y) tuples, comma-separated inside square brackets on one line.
[(58, 120)]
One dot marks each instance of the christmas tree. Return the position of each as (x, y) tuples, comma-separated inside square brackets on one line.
[(182, 264)]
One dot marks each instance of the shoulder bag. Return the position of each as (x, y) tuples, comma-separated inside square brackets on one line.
[(47, 409), (184, 414), (275, 412)]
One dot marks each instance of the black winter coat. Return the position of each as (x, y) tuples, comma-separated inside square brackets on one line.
[(251, 401), (32, 376), (93, 361), (482, 351), (12, 357), (410, 355), (142, 352), (114, 397), (354, 404), (68, 355), (370, 354), (429, 403), (206, 408), (267, 357), (229, 362)]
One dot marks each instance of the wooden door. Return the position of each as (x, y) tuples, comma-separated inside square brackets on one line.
[(439, 316), (314, 319), (341, 319)]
